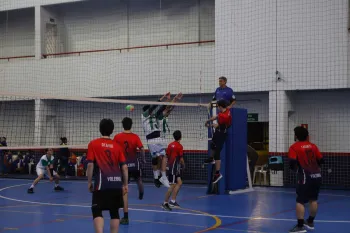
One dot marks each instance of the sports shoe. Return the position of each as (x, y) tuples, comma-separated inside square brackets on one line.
[(124, 221), (166, 206), (209, 160), (164, 181), (173, 204), (157, 183), (308, 225), (30, 190), (58, 188), (217, 177), (297, 229)]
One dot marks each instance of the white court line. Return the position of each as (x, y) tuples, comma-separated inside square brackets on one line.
[(259, 189), (85, 182), (161, 211)]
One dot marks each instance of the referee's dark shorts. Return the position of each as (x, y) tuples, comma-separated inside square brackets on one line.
[(109, 199), (308, 190)]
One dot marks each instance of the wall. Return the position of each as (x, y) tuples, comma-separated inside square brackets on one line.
[(120, 24), (89, 26), (328, 117), (150, 72), (255, 103), (19, 4), (306, 41), (17, 33), (17, 122), (52, 43)]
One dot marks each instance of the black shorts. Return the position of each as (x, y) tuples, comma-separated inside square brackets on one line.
[(108, 199), (218, 141), (173, 178), (308, 191), (135, 174)]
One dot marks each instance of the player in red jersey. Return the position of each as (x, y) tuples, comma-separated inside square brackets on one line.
[(305, 158), (224, 119), (107, 161), (131, 144), (175, 159)]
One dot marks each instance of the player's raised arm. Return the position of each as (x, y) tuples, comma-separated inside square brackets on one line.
[(162, 109), (170, 108), (148, 109)]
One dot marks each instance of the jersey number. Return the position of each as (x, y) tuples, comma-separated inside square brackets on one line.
[(310, 157), (126, 146), (109, 158), (153, 124)]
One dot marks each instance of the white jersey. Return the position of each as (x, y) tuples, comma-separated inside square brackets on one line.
[(149, 124), (44, 162), (165, 130)]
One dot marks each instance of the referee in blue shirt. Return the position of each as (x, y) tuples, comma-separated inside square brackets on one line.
[(224, 92)]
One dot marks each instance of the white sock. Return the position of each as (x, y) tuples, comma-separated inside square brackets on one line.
[(165, 202), (173, 201), (32, 186), (164, 174), (56, 185), (155, 174)]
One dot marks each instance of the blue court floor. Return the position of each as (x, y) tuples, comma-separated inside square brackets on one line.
[(269, 210)]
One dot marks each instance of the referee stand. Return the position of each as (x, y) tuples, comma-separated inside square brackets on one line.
[(233, 155)]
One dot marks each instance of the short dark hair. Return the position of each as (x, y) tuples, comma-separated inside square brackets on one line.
[(301, 133), (106, 127), (223, 78), (177, 135), (146, 107), (47, 149), (63, 139), (127, 123), (222, 103)]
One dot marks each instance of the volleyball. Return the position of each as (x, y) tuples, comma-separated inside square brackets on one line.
[(130, 108)]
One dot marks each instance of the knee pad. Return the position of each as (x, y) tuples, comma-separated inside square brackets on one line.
[(96, 212), (114, 214), (155, 161)]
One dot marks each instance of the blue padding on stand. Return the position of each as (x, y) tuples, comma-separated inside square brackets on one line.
[(236, 151), (233, 155)]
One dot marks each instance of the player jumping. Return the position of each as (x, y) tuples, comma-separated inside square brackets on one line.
[(175, 159), (131, 144), (45, 168), (305, 158), (156, 143), (224, 119)]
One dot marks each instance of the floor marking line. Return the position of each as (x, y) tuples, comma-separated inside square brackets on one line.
[(217, 220), (161, 211)]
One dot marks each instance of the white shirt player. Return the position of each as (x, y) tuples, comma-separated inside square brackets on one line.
[(44, 162), (149, 123), (165, 130)]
